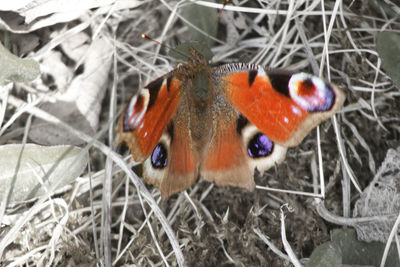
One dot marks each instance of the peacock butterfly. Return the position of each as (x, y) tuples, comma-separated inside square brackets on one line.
[(220, 123)]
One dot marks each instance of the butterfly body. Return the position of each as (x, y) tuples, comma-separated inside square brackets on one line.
[(221, 123)]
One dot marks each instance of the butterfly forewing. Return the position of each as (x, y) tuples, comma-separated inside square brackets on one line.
[(145, 117), (283, 105)]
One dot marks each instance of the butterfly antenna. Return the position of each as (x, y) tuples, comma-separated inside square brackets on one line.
[(145, 36)]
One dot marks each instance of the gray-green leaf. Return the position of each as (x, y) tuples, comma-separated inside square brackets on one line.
[(327, 254), (30, 171), (204, 18), (388, 46), (362, 253), (15, 69)]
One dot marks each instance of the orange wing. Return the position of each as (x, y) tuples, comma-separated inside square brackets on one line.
[(173, 165), (154, 125), (236, 148), (145, 117), (283, 105), (225, 161)]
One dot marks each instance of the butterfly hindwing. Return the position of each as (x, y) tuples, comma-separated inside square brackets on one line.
[(178, 168), (236, 147), (224, 160)]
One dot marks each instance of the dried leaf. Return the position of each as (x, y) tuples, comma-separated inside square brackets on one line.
[(80, 104), (381, 197), (24, 16)]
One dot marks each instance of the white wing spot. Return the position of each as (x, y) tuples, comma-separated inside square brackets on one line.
[(261, 72), (285, 120), (136, 116), (296, 110)]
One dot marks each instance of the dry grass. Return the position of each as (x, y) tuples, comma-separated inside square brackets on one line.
[(216, 226)]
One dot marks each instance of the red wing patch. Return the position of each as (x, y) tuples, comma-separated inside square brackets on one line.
[(281, 114), (225, 160), (146, 116), (179, 168), (182, 171)]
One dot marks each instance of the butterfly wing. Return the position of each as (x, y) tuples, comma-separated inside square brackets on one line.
[(149, 125), (283, 105), (223, 122), (173, 165), (226, 158), (236, 147), (147, 114), (259, 114)]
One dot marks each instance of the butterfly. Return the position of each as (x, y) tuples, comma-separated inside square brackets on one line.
[(221, 123)]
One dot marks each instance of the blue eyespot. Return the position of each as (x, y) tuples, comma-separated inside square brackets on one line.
[(159, 157), (260, 146)]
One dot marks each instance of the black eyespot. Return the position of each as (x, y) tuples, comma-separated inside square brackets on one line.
[(252, 76), (154, 88), (279, 80), (241, 123), (260, 146), (159, 157), (170, 131)]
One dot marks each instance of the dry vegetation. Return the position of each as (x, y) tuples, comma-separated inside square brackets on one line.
[(208, 225)]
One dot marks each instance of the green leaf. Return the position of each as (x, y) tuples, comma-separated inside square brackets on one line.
[(204, 18), (388, 47), (15, 69), (30, 171), (327, 254)]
